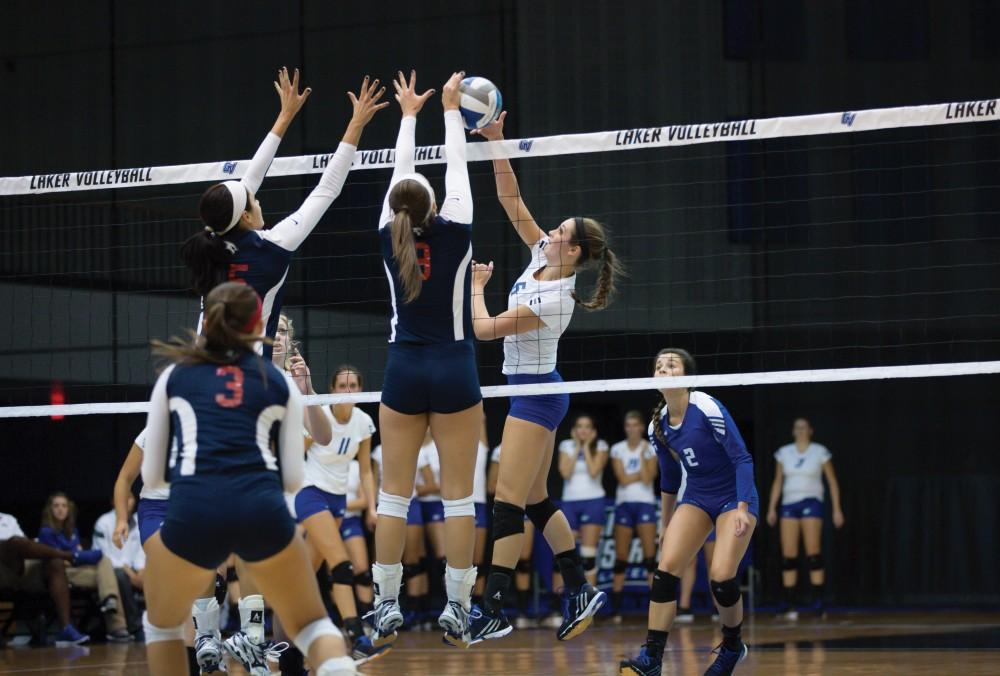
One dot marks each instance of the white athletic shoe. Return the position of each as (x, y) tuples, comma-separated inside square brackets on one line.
[(454, 619), (208, 652), (248, 653), (386, 618)]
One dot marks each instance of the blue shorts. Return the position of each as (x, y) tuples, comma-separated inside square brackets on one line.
[(716, 505), (810, 508), (150, 514), (311, 500), (351, 527), (414, 517), (632, 514), (584, 512), (255, 524), (481, 520), (432, 511), (711, 536), (440, 378), (547, 410)]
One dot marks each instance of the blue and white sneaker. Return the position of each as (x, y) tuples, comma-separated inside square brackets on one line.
[(579, 610), (208, 653), (363, 651), (385, 620), (483, 626), (726, 660), (70, 636), (454, 619), (643, 664), (246, 652)]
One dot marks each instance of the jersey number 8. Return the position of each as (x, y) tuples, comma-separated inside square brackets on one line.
[(424, 259)]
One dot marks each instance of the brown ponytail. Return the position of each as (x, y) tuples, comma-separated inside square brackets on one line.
[(592, 239), (411, 205), (229, 309)]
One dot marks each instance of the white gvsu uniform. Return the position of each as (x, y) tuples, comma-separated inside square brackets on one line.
[(351, 526), (327, 466), (802, 490), (635, 503), (583, 495), (431, 507)]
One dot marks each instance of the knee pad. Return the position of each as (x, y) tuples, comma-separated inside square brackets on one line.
[(540, 513), (588, 558), (789, 563), (231, 574), (313, 631), (413, 569), (342, 573), (461, 507), (508, 520), (664, 589), (727, 593), (157, 634), (363, 579), (523, 566), (393, 505), (337, 666), (620, 566), (650, 564), (815, 561)]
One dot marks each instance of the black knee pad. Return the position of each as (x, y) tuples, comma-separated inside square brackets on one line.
[(231, 574), (650, 564), (508, 520), (789, 564), (815, 561), (589, 563), (620, 566), (220, 588), (664, 589), (727, 593), (523, 566), (292, 663), (412, 569), (342, 573), (363, 579), (540, 513)]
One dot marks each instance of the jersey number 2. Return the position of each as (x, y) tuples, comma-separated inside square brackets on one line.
[(689, 455), (235, 386), (424, 259)]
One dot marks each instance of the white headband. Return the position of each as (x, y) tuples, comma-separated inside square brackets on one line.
[(239, 194)]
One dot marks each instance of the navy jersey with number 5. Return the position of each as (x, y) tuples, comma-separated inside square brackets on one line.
[(712, 450)]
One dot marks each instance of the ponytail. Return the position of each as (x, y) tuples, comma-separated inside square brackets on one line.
[(404, 250), (592, 239), (206, 256)]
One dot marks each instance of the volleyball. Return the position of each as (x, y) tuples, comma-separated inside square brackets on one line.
[(481, 102)]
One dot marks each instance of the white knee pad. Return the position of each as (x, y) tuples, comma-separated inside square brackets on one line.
[(460, 507), (311, 632), (337, 666), (158, 634), (393, 505)]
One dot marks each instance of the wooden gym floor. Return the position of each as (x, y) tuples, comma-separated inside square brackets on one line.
[(938, 644)]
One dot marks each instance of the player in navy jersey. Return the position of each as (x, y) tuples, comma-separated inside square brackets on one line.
[(226, 426), (696, 430), (430, 374), (235, 245), (539, 309)]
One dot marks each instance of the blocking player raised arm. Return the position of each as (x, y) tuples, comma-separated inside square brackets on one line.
[(406, 145), (291, 103)]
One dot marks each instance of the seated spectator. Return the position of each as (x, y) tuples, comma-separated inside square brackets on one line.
[(128, 560), (17, 575), (59, 532)]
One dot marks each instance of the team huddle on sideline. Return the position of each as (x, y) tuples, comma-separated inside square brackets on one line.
[(227, 425)]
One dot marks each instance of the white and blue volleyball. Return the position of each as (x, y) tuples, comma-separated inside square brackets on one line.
[(480, 102)]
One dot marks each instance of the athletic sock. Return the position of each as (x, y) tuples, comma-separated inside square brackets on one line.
[(656, 642), (731, 637), (497, 586), (572, 569), (386, 581), (355, 629)]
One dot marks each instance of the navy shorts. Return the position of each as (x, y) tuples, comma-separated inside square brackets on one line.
[(632, 514), (810, 508), (351, 527), (311, 500), (547, 410), (440, 378), (432, 511), (255, 524), (714, 505), (584, 512), (414, 517), (481, 520), (150, 514)]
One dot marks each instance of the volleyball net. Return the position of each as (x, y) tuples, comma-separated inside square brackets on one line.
[(821, 248)]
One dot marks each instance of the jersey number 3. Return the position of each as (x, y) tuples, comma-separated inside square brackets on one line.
[(424, 259), (235, 386)]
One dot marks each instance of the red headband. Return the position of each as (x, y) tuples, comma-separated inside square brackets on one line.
[(255, 318)]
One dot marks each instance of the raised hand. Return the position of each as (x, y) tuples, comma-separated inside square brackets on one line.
[(288, 91), (406, 93), (481, 273), (366, 102), (299, 371), (450, 95), (493, 131)]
